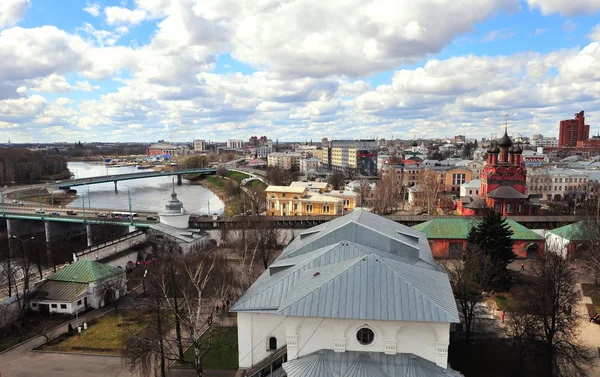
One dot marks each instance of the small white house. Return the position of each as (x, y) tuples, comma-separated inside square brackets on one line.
[(80, 285), (358, 296)]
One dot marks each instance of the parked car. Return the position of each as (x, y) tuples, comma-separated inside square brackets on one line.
[(20, 203), (39, 210), (71, 213), (15, 201), (151, 218), (55, 213)]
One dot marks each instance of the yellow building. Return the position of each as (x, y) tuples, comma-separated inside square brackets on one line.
[(308, 198), (453, 178)]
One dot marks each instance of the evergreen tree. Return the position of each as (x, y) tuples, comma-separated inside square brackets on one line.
[(493, 237)]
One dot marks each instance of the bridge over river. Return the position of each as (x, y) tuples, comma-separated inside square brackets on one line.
[(67, 184)]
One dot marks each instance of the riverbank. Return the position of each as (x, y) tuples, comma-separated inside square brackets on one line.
[(218, 186)]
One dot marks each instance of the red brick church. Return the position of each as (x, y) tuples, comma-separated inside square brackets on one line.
[(503, 186)]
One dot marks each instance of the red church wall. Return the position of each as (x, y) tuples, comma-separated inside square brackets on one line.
[(440, 248)]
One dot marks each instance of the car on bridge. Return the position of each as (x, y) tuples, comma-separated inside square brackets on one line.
[(151, 218), (103, 214), (71, 213), (55, 213), (39, 210)]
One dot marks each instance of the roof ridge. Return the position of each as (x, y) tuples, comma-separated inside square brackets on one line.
[(426, 296)]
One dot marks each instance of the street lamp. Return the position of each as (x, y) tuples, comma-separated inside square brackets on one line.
[(2, 196), (89, 198), (130, 210), (41, 205)]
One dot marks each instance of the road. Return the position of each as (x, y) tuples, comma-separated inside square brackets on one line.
[(48, 211)]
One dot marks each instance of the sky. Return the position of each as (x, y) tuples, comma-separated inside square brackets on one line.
[(294, 70)]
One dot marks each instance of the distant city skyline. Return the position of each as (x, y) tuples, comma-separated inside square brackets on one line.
[(140, 70)]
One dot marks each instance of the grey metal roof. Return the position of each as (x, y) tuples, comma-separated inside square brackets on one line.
[(385, 272), (311, 365), (366, 364), (506, 192), (187, 235)]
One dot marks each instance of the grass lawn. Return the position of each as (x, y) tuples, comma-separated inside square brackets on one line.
[(236, 175), (503, 300), (224, 352), (592, 291), (257, 183), (102, 336), (218, 182)]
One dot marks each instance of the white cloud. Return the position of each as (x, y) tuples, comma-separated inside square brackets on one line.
[(12, 11), (565, 7), (595, 33), (93, 9), (119, 15), (498, 35)]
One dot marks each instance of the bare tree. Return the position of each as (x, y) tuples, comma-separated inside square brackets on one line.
[(430, 186), (550, 299), (520, 329), (364, 192), (385, 195), (588, 250), (467, 278)]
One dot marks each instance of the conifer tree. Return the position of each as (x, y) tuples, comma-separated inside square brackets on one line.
[(492, 236)]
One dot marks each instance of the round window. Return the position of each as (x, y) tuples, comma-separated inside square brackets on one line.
[(365, 336)]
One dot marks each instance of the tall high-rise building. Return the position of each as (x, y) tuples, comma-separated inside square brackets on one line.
[(573, 132), (358, 155)]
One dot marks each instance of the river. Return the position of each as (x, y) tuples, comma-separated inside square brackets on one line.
[(147, 194)]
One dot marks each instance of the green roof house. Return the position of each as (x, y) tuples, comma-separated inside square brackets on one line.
[(81, 285), (566, 240), (448, 237)]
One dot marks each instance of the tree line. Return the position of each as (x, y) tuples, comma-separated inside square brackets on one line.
[(27, 167)]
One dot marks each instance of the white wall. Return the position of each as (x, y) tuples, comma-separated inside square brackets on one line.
[(428, 340)]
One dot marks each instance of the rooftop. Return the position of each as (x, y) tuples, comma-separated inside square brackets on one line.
[(358, 266), (290, 189), (459, 229), (84, 271), (327, 363)]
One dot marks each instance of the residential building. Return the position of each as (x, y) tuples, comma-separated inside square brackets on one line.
[(312, 163), (534, 159), (263, 151), (358, 296), (81, 285), (365, 194), (470, 188), (573, 132), (567, 240), (448, 237), (300, 201), (554, 183), (199, 145), (454, 177), (358, 155), (474, 166), (545, 142), (285, 160), (235, 144), (162, 148)]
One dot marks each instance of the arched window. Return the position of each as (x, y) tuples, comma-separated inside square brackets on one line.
[(272, 344)]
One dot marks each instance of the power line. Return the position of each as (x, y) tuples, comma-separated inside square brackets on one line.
[(265, 338)]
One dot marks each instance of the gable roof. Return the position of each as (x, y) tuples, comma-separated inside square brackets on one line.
[(459, 229), (571, 232), (506, 192), (359, 266), (85, 271), (58, 291), (290, 189), (364, 364), (313, 185)]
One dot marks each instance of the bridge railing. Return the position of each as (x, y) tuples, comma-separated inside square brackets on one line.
[(107, 243)]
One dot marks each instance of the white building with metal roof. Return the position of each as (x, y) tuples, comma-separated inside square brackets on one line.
[(358, 294)]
